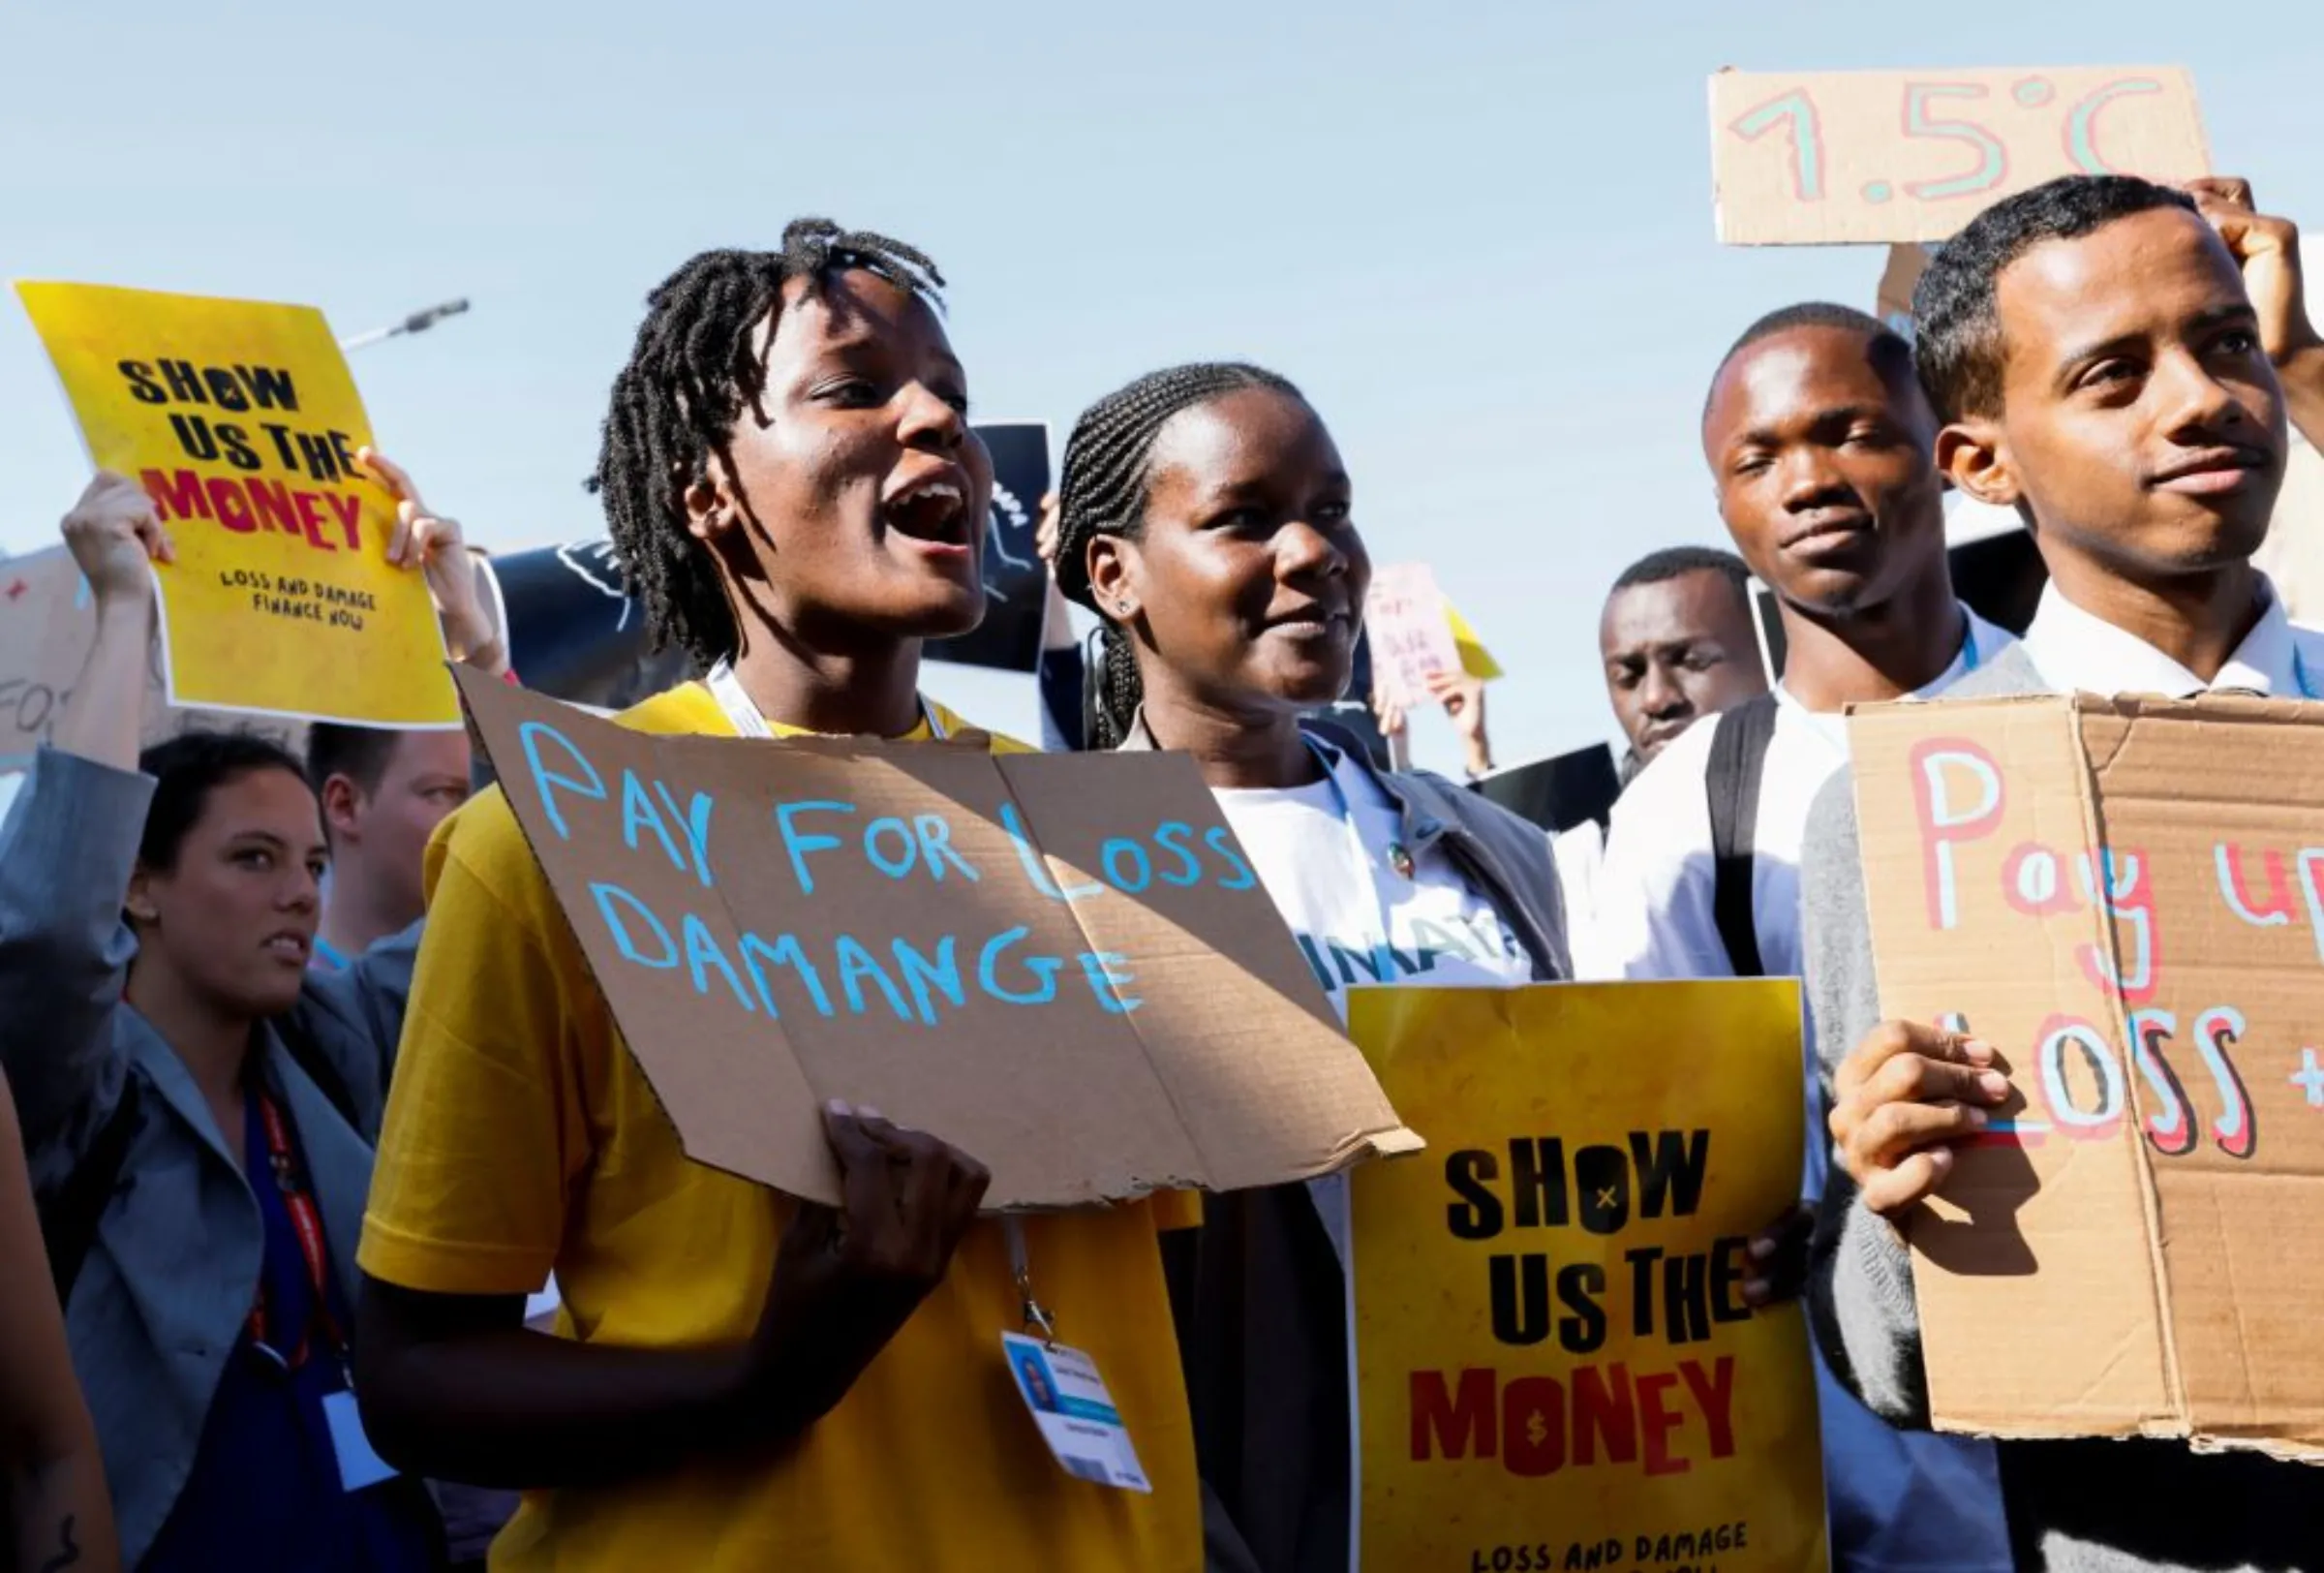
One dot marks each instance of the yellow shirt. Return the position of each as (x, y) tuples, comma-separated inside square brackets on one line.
[(522, 1137)]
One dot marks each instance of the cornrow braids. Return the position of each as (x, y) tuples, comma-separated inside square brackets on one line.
[(1103, 492), (690, 372)]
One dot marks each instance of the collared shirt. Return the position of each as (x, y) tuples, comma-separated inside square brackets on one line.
[(1899, 1503), (2076, 652), (1654, 914)]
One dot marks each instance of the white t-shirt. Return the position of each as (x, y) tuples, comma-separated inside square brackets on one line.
[(1655, 914), (1357, 919)]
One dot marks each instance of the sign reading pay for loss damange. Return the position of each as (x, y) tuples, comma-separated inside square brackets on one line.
[(1555, 1367), (1060, 963), (242, 423)]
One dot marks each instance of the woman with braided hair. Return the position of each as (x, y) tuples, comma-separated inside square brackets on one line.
[(744, 1381), (1206, 519)]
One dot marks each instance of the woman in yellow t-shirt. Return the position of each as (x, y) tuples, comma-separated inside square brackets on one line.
[(743, 1380)]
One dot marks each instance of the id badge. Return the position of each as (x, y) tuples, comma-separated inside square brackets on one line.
[(358, 1465), (1075, 1412)]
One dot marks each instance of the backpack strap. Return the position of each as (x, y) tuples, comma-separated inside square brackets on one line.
[(1738, 760), (69, 1215)]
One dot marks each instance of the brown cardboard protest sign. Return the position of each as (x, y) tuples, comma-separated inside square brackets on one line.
[(1892, 302), (45, 631), (1818, 158), (47, 624), (2126, 898), (1061, 964)]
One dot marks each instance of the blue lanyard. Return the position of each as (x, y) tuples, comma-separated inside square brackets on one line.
[(2306, 689), (1972, 658)]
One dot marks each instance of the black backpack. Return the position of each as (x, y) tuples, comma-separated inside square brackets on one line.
[(1738, 760)]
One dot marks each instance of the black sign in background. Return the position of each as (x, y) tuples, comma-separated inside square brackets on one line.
[(1016, 583), (574, 633), (1558, 793)]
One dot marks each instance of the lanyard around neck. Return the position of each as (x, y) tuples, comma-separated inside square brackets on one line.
[(1399, 857), (750, 721)]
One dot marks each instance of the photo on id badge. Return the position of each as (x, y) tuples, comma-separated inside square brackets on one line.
[(1076, 1414), (1033, 1380)]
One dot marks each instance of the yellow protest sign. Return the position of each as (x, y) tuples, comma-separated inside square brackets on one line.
[(1555, 1368), (241, 421), (1475, 659)]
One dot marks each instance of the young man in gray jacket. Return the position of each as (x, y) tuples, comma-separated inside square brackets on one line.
[(2108, 363)]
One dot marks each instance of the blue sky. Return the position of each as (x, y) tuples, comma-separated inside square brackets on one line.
[(1480, 236)]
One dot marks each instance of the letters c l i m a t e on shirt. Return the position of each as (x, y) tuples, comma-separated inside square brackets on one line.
[(1326, 854)]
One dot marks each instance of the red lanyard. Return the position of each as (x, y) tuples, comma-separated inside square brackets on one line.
[(307, 1223)]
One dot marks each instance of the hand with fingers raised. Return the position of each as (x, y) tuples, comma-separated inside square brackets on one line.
[(433, 543), (847, 1277), (113, 532), (1901, 1101), (2267, 249)]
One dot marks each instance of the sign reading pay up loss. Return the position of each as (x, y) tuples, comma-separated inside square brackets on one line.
[(2125, 899)]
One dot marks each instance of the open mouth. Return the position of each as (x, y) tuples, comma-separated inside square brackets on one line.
[(291, 947), (933, 510)]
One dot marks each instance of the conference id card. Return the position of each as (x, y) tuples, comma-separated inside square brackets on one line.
[(1075, 1412), (359, 1464)]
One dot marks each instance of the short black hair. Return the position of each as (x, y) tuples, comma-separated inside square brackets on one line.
[(1956, 325), (185, 770), (1886, 343), (1677, 562), (689, 374), (1103, 492), (361, 753)]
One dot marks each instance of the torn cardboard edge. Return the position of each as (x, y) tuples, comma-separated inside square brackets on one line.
[(810, 1171), (2102, 929)]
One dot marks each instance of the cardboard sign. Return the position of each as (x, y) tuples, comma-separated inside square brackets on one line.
[(1015, 581), (1554, 1363), (1822, 158), (45, 629), (2125, 898), (242, 423), (1892, 302), (1061, 964), (1404, 615), (47, 624)]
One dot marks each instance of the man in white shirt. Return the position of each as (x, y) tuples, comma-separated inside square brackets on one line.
[(2100, 367), (1820, 443), (1676, 644)]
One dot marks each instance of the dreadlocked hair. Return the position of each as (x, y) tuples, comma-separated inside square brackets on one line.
[(689, 376), (1104, 493)]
